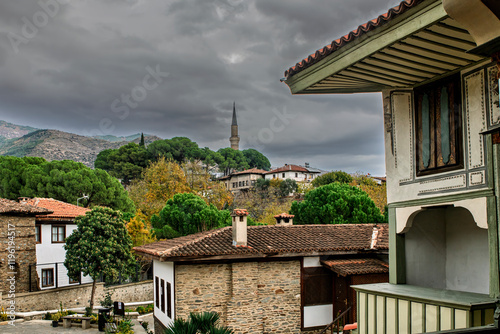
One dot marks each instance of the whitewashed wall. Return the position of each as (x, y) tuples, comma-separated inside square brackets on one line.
[(165, 271)]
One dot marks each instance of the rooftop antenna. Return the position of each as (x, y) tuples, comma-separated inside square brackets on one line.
[(84, 196)]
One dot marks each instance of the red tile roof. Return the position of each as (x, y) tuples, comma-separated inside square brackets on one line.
[(284, 215), (272, 240), (240, 212), (61, 210), (353, 35), (248, 171), (8, 206), (288, 168), (346, 267)]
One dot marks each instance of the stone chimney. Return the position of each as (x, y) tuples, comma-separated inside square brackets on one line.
[(284, 219), (239, 227)]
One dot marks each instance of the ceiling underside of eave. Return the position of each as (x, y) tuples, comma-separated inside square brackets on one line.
[(416, 59)]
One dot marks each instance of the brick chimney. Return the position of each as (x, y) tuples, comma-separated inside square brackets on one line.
[(239, 227), (284, 219)]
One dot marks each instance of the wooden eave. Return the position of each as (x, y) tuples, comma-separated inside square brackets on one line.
[(418, 47)]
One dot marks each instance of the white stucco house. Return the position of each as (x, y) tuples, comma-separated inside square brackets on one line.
[(436, 64), (51, 230), (293, 172)]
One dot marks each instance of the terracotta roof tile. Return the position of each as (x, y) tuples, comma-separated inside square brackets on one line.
[(346, 39), (346, 267), (8, 206), (239, 212), (272, 239), (288, 168), (60, 209), (284, 215)]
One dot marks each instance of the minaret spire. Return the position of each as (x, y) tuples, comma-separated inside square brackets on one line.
[(234, 139)]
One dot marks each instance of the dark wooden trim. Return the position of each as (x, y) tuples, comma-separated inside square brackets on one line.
[(52, 234), (48, 270), (39, 234), (157, 291)]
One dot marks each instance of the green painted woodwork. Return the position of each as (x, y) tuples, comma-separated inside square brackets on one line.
[(396, 29), (445, 126), (448, 298), (493, 247), (397, 263)]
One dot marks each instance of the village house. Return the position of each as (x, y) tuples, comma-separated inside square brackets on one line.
[(293, 172), (51, 231), (432, 61), (17, 245), (244, 180), (282, 278)]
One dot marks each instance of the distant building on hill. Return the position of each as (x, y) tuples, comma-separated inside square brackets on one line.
[(294, 172)]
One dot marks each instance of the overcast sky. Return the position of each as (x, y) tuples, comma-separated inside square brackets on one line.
[(174, 67)]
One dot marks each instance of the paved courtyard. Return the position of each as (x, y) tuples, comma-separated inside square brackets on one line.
[(45, 327)]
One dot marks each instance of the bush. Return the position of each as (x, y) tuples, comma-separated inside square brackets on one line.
[(140, 309), (107, 301)]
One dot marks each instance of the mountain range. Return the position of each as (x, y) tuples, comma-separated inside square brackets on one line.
[(20, 141)]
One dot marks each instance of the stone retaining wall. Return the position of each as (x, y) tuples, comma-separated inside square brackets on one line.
[(251, 297), (79, 296)]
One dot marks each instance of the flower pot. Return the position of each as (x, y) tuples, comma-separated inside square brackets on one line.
[(55, 323)]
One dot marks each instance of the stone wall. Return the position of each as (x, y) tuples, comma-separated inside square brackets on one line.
[(79, 296), (251, 297), (21, 231)]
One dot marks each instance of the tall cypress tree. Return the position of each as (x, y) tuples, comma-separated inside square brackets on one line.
[(142, 140)]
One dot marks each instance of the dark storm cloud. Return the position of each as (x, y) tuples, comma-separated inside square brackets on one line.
[(80, 69)]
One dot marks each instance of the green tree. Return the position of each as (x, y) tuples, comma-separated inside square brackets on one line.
[(288, 186), (99, 246), (233, 160), (186, 214), (141, 143), (331, 177), (336, 203), (177, 148), (198, 323), (62, 180), (125, 163), (255, 159)]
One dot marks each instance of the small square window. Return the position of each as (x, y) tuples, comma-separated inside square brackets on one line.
[(58, 233), (73, 281), (283, 175), (47, 277)]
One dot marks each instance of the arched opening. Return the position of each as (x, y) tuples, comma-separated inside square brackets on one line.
[(445, 249)]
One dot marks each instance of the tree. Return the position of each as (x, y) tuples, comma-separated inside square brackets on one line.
[(125, 163), (331, 177), (233, 160), (288, 186), (255, 159), (336, 203), (198, 323), (161, 181), (139, 229), (62, 180), (377, 192), (186, 214), (100, 245), (141, 143), (177, 148)]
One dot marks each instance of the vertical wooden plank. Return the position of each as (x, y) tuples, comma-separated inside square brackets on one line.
[(381, 309), (397, 262), (476, 318), (391, 317), (362, 315), (403, 316), (461, 318), (416, 318), (489, 316), (371, 314), (431, 324), (446, 321)]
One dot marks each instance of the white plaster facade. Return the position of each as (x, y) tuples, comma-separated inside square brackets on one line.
[(49, 253), (163, 271)]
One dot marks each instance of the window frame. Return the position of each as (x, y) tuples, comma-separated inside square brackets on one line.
[(169, 300), (71, 281), (57, 226), (433, 90), (157, 292), (162, 295), (38, 234), (323, 275), (45, 277)]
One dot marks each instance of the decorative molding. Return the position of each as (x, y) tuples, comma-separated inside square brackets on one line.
[(476, 178), (462, 179), (478, 146), (493, 95), (408, 135)]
